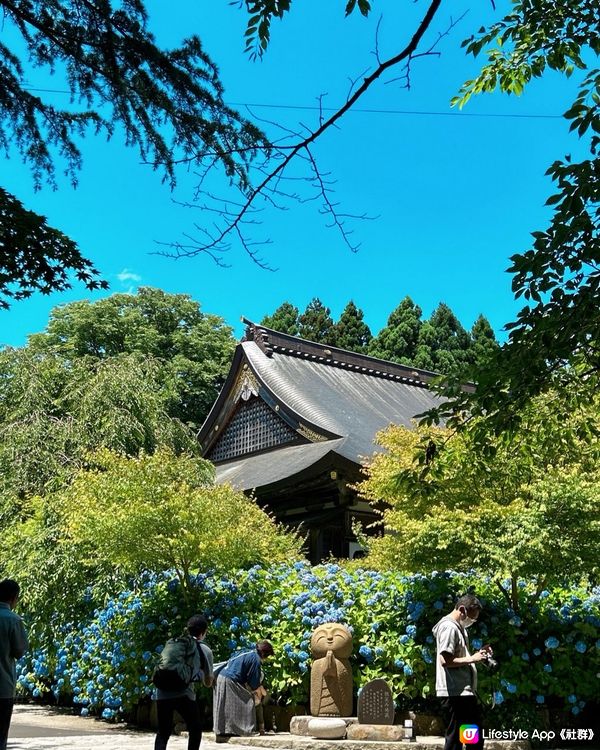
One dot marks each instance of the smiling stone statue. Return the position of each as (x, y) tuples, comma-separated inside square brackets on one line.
[(331, 675)]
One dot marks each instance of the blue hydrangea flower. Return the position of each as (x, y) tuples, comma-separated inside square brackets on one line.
[(547, 667), (551, 642), (366, 653), (581, 647), (498, 697), (539, 699)]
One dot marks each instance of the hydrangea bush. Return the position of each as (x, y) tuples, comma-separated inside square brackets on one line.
[(548, 651)]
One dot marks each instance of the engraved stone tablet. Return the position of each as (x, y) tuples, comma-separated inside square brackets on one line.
[(375, 703)]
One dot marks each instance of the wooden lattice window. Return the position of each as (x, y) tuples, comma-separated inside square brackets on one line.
[(253, 427)]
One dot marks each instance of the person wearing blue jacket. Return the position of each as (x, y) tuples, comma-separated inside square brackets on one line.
[(237, 692), (13, 644)]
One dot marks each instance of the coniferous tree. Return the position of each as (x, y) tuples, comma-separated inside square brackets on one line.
[(397, 342), (444, 345), (351, 332), (316, 323), (284, 319), (424, 356), (167, 103), (483, 342)]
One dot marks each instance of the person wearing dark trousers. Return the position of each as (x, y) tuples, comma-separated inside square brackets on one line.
[(184, 701), (13, 644), (456, 673)]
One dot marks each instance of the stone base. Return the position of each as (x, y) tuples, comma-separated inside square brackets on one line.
[(376, 732), (299, 724), (327, 729)]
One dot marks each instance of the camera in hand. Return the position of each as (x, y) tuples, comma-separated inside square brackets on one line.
[(489, 662)]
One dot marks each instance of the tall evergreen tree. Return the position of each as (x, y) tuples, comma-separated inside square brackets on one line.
[(167, 103), (316, 323), (351, 332), (444, 345), (284, 319), (483, 342), (397, 342), (426, 346)]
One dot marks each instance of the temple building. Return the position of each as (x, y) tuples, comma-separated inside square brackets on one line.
[(296, 421)]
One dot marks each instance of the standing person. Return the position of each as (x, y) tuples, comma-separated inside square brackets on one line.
[(456, 673), (237, 692), (184, 701), (13, 644)]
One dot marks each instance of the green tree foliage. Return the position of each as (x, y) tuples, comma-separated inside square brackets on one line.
[(483, 342), (443, 344), (528, 507), (122, 516), (167, 103), (192, 348), (53, 411), (171, 502), (316, 323), (555, 335), (261, 12), (23, 269), (397, 342), (285, 319), (351, 332)]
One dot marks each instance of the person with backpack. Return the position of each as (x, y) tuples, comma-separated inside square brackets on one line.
[(182, 662), (237, 691)]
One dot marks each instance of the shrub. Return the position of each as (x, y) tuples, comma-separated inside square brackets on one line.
[(549, 653)]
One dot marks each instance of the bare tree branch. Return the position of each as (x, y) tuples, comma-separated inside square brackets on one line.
[(300, 148)]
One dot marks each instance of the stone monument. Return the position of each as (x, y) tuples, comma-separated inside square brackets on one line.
[(376, 703), (331, 674)]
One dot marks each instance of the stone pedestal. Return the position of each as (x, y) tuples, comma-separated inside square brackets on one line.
[(299, 724), (327, 729), (376, 732)]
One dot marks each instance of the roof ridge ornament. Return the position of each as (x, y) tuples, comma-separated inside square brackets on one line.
[(246, 385)]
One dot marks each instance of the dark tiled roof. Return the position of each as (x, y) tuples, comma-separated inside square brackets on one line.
[(346, 396), (268, 468)]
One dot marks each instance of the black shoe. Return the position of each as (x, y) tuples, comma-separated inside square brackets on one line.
[(222, 737)]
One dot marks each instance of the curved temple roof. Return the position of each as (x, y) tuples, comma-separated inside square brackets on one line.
[(337, 400)]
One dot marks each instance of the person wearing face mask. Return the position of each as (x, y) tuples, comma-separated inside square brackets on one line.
[(456, 673)]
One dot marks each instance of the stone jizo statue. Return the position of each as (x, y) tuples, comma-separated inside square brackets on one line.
[(331, 674)]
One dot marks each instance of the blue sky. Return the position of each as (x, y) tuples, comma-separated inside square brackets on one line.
[(455, 193)]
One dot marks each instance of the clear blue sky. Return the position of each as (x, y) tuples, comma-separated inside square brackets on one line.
[(456, 194)]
